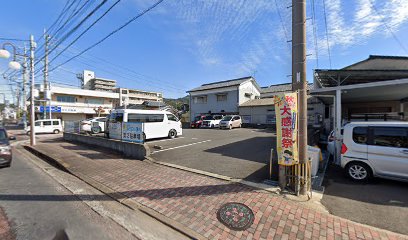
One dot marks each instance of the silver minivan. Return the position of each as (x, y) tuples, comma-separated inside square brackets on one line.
[(375, 149)]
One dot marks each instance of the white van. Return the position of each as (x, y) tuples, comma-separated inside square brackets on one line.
[(378, 149), (157, 124), (46, 126)]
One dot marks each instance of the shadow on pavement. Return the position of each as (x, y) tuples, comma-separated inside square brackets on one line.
[(151, 194)]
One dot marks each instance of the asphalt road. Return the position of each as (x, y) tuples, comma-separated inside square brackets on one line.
[(239, 153), (37, 207), (380, 203)]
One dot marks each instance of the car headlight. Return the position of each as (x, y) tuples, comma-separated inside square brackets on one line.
[(5, 150)]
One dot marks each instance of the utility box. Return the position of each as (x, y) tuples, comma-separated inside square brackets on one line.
[(314, 155)]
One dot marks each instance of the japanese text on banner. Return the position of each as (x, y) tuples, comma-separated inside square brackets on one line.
[(286, 128)]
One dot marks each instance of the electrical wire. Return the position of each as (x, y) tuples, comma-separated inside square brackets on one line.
[(86, 30), (315, 33), (327, 32), (110, 34), (389, 29), (282, 24)]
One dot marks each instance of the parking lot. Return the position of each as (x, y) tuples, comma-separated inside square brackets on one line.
[(379, 202), (238, 153)]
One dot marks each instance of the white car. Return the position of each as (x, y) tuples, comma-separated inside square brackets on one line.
[(46, 126), (375, 149), (230, 122), (93, 125), (331, 140), (211, 121)]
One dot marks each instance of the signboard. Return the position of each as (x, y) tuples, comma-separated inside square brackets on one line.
[(71, 126), (115, 130), (54, 109), (132, 132), (287, 128)]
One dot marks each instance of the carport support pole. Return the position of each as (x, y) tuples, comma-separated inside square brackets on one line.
[(299, 82), (337, 141)]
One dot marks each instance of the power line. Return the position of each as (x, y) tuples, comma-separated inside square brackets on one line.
[(315, 33), (389, 29), (110, 34), (327, 32), (86, 30), (13, 39), (282, 23), (76, 27)]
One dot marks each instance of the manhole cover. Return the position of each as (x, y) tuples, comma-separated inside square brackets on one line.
[(236, 216)]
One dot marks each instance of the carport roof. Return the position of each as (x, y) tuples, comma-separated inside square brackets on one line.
[(258, 102), (283, 87), (341, 77)]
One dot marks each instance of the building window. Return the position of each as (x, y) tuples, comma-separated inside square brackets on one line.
[(94, 101), (221, 97), (200, 99), (69, 99)]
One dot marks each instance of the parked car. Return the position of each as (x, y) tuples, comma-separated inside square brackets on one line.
[(331, 141), (93, 125), (198, 120), (230, 122), (375, 149), (5, 148), (157, 123), (46, 126), (211, 121)]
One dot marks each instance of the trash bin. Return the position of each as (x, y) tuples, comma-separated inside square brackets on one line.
[(314, 155)]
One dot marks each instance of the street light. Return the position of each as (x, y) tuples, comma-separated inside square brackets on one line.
[(6, 54)]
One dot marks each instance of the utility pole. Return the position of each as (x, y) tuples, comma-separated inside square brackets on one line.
[(32, 109), (46, 38), (299, 82), (24, 88)]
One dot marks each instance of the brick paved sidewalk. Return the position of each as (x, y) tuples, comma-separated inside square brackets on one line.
[(193, 199)]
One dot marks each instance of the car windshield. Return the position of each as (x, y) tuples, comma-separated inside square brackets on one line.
[(3, 135), (198, 118), (226, 118), (209, 118)]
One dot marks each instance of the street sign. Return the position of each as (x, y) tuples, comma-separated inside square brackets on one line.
[(132, 132), (287, 128), (54, 109)]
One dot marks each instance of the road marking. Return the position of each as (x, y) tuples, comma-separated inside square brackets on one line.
[(194, 138), (181, 146), (163, 140)]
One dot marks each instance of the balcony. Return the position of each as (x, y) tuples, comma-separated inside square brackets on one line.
[(84, 105)]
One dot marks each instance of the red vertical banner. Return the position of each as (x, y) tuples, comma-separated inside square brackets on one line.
[(287, 128)]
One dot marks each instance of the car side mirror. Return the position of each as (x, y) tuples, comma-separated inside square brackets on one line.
[(12, 138)]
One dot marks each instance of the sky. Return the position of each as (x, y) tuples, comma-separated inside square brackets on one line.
[(182, 44)]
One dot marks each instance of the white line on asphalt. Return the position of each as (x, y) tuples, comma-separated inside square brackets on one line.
[(165, 140), (180, 146), (194, 138)]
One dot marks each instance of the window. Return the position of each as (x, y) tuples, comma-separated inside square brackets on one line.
[(171, 117), (55, 123), (235, 118), (37, 124), (116, 117), (360, 135), (65, 99), (200, 99), (390, 137), (47, 123), (3, 135), (132, 117), (94, 101), (221, 97)]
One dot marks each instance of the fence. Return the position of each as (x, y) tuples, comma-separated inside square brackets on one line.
[(72, 126)]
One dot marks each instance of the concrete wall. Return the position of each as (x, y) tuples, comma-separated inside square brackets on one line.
[(128, 149), (247, 87)]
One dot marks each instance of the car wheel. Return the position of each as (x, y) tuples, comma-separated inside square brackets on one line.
[(358, 171), (96, 130), (172, 133), (56, 131), (28, 133)]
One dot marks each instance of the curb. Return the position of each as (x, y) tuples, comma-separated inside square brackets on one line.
[(60, 164)]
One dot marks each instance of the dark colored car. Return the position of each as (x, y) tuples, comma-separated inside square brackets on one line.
[(196, 123), (5, 148)]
